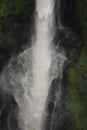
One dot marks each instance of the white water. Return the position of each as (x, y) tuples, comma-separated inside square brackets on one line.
[(41, 60), (30, 76)]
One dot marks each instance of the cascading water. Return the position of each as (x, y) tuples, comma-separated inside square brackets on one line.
[(30, 75)]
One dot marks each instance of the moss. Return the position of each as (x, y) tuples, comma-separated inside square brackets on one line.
[(71, 75), (76, 100), (83, 59), (72, 52)]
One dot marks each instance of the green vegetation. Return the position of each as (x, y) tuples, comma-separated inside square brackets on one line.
[(15, 7), (76, 104), (77, 98)]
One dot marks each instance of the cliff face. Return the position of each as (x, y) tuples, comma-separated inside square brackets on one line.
[(16, 18), (74, 19), (15, 30)]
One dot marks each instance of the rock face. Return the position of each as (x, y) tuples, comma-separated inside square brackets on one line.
[(15, 33), (15, 37), (68, 38), (8, 112), (66, 27)]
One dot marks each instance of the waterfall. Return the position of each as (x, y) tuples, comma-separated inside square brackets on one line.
[(28, 77)]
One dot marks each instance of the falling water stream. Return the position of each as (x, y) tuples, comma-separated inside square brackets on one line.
[(30, 75)]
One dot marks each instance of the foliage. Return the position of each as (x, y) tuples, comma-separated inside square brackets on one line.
[(77, 99), (76, 103), (14, 7)]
